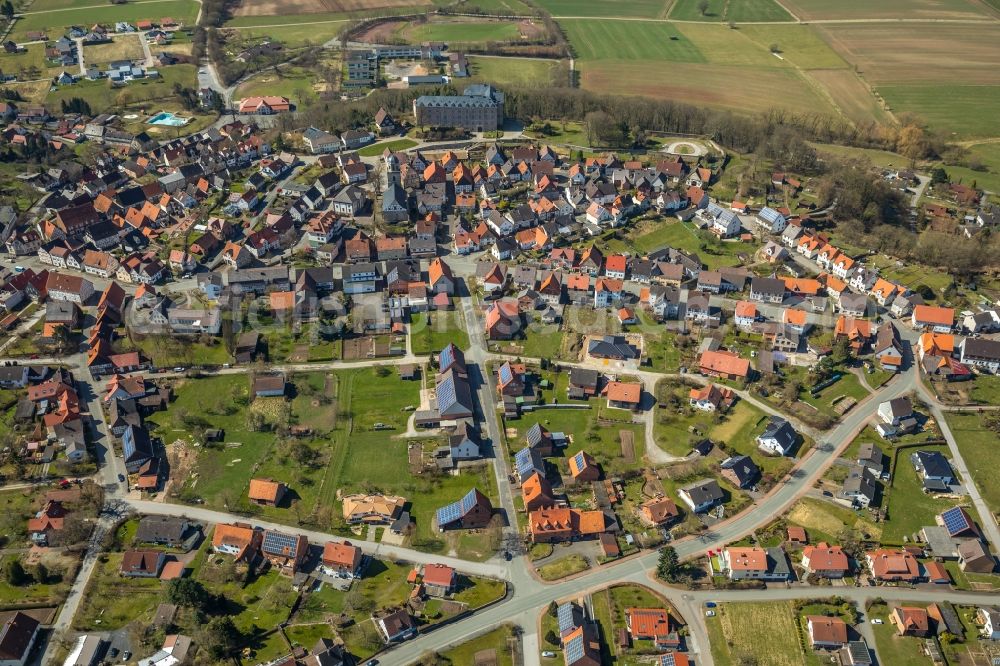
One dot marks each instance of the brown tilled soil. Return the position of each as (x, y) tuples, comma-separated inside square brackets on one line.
[(292, 7)]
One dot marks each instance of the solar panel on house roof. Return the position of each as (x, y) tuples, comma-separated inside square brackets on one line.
[(447, 356), (446, 393), (449, 514), (566, 619), (574, 649), (466, 503), (955, 521), (276, 542), (578, 460), (667, 659), (506, 374)]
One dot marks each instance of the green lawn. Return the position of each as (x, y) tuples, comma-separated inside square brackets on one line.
[(905, 650), (585, 433), (748, 630), (825, 520), (517, 71), (102, 97), (291, 33), (497, 639), (111, 602), (986, 390), (562, 567), (848, 386), (433, 336), (978, 446), (377, 148), (909, 508), (682, 236)]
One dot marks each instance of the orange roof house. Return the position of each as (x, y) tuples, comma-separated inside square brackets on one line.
[(858, 332), (937, 319), (893, 565), (627, 395), (583, 467), (725, 364), (236, 539), (910, 621), (802, 286), (795, 318), (341, 559), (826, 561), (536, 493), (826, 632), (266, 492), (265, 104), (563, 524), (658, 511), (650, 624)]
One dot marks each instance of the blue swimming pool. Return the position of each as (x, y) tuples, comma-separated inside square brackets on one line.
[(167, 118)]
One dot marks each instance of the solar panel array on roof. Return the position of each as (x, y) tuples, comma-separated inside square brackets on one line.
[(449, 514), (573, 649), (578, 460), (276, 542), (956, 521), (526, 463), (466, 503), (447, 356), (446, 393), (566, 620), (506, 373)]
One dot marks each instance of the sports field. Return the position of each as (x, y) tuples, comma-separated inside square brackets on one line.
[(518, 71), (730, 10), (462, 32), (812, 10), (629, 8)]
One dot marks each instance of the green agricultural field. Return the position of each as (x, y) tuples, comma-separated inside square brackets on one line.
[(517, 71), (608, 8), (957, 111), (630, 40), (798, 44), (809, 10), (182, 11), (978, 446), (740, 50), (739, 11)]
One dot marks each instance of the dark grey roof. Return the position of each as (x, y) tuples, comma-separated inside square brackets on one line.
[(704, 491)]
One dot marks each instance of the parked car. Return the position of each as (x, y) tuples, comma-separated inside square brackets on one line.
[(710, 613), (876, 620)]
